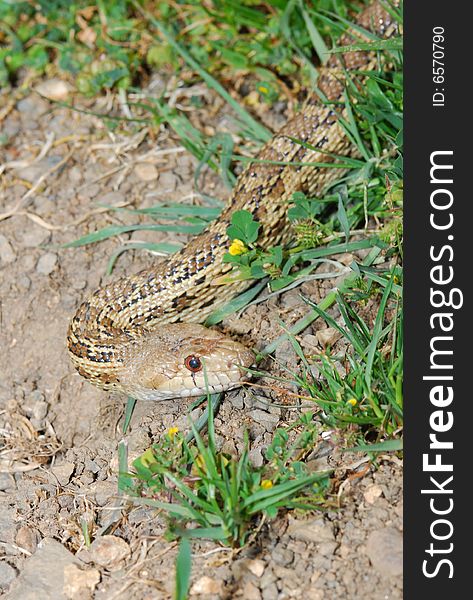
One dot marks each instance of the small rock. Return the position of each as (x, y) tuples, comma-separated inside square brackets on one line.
[(6, 482), (109, 551), (112, 198), (7, 254), (46, 263), (32, 106), (104, 491), (282, 556), (23, 282), (291, 299), (267, 420), (42, 577), (146, 172), (63, 472), (33, 172), (384, 549), (256, 566), (250, 591), (7, 574), (328, 336), (40, 410), (44, 205), (27, 538), (286, 354), (372, 493), (54, 89), (309, 342), (237, 401), (79, 284), (270, 592), (327, 548), (35, 236), (255, 456), (78, 583), (206, 585), (315, 594), (10, 128), (75, 175), (7, 525), (168, 181), (313, 530)]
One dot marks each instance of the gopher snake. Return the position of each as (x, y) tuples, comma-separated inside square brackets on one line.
[(126, 336)]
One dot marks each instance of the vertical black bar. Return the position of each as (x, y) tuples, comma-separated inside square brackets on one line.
[(438, 256)]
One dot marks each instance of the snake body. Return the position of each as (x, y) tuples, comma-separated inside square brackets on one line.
[(140, 334)]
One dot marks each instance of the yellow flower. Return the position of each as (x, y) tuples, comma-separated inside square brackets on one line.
[(172, 432), (352, 401), (237, 247), (266, 484)]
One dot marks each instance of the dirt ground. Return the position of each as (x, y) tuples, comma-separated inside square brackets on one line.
[(58, 457)]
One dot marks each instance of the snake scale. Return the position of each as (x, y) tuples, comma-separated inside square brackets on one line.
[(140, 334)]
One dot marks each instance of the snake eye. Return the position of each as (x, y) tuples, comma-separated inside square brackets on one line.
[(193, 363)]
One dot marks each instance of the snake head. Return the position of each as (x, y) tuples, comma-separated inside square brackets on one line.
[(179, 360)]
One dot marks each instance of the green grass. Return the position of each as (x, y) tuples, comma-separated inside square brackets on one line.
[(107, 44), (263, 52), (205, 493)]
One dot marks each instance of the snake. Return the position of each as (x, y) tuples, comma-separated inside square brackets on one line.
[(142, 334)]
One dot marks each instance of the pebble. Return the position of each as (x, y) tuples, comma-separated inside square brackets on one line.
[(7, 574), (270, 592), (256, 458), (313, 530), (112, 198), (104, 491), (23, 282), (88, 192), (33, 172), (54, 89), (46, 263), (7, 525), (207, 585), (250, 591), (32, 106), (286, 354), (309, 342), (42, 577), (146, 172), (256, 566), (372, 493), (282, 556), (7, 254), (35, 236), (291, 299), (168, 181), (75, 175), (267, 420), (237, 401), (78, 583), (328, 336), (384, 549), (6, 482), (327, 548), (27, 538), (44, 205), (63, 473), (109, 551), (11, 127), (79, 284)]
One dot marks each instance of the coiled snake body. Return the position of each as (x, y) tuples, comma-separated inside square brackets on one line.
[(128, 335)]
